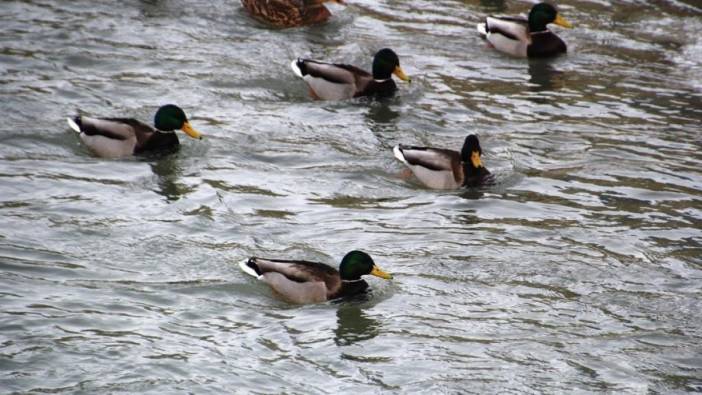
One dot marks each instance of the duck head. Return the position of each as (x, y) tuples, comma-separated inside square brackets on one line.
[(471, 152), (544, 13), (171, 117), (356, 264), (386, 63)]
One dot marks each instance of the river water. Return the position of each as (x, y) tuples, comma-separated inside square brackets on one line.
[(578, 271)]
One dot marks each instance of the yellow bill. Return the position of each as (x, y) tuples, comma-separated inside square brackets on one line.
[(379, 273), (560, 21), (190, 131), (475, 159), (401, 74)]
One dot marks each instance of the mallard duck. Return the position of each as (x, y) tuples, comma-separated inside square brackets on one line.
[(441, 168), (522, 37), (331, 81), (118, 137), (289, 13), (312, 282)]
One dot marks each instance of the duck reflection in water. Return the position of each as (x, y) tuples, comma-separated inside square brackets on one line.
[(380, 112), (165, 166), (544, 77), (353, 324), (472, 193), (382, 120)]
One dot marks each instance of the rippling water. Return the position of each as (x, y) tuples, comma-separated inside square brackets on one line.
[(579, 271)]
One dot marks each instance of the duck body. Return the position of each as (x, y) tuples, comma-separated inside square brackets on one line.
[(119, 137), (303, 282), (332, 81), (288, 13), (439, 168), (526, 37)]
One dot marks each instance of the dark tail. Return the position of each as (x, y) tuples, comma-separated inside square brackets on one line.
[(252, 264), (299, 67)]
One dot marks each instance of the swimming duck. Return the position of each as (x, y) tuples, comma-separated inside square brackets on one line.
[(329, 81), (440, 168), (118, 137), (289, 13), (522, 37), (311, 282)]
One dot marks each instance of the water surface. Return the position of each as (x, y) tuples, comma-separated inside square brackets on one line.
[(579, 271)]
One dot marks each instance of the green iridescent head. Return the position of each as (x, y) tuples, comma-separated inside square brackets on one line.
[(544, 13), (171, 117), (386, 63), (357, 263), (471, 151)]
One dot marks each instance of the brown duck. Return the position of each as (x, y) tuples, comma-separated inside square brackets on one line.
[(289, 13)]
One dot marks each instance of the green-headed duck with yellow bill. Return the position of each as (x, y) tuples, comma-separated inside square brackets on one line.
[(440, 168), (333, 81), (313, 282), (526, 37), (118, 137)]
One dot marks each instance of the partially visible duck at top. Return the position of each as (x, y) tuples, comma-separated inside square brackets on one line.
[(439, 168), (289, 13), (119, 137), (526, 37), (332, 81)]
